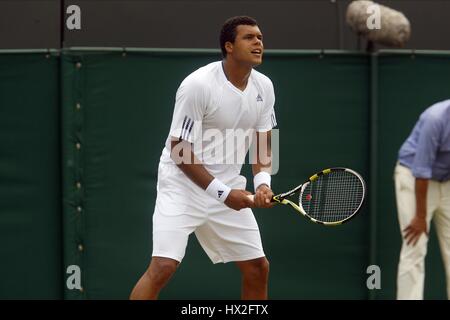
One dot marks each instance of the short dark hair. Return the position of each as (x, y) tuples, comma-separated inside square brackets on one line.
[(228, 32)]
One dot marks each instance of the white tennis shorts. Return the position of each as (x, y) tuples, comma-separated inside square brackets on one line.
[(182, 207)]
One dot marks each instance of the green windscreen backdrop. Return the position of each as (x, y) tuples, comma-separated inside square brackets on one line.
[(80, 139), (30, 172)]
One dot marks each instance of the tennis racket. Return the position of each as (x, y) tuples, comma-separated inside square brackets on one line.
[(330, 197)]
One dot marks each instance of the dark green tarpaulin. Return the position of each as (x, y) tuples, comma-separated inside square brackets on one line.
[(81, 134)]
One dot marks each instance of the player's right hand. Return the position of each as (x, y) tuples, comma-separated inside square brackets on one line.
[(237, 199)]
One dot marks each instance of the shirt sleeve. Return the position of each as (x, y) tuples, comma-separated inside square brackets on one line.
[(427, 147), (190, 105), (267, 119)]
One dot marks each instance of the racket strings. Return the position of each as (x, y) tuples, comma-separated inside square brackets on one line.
[(333, 197)]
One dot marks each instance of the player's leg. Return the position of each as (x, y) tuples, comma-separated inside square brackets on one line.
[(411, 266), (235, 236), (255, 276), (175, 217), (226, 242), (154, 279), (228, 235), (169, 247), (442, 223)]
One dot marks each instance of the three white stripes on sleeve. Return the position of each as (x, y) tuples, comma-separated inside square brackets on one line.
[(186, 129)]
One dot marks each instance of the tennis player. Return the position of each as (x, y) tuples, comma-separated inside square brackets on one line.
[(200, 188)]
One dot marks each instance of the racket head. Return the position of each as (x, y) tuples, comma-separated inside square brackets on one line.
[(332, 196)]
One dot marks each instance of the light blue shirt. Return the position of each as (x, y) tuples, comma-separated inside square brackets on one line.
[(427, 150)]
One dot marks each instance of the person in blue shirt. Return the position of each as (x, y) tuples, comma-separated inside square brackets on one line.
[(422, 188)]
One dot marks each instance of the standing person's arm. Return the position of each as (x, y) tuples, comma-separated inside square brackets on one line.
[(426, 150), (419, 223)]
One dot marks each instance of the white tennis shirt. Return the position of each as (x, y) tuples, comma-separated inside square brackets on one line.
[(220, 119)]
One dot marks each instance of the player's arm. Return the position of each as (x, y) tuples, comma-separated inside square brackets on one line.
[(262, 168), (192, 167)]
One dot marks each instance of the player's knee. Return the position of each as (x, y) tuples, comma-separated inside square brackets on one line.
[(264, 266), (161, 270), (258, 268)]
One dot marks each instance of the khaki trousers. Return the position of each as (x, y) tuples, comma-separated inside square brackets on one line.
[(411, 267)]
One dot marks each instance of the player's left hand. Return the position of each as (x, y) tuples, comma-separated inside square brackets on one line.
[(263, 197)]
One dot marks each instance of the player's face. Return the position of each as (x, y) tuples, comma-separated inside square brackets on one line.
[(248, 46)]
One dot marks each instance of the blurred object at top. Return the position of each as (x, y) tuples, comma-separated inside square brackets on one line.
[(378, 23)]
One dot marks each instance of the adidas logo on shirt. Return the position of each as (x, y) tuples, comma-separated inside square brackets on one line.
[(219, 193), (259, 98)]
